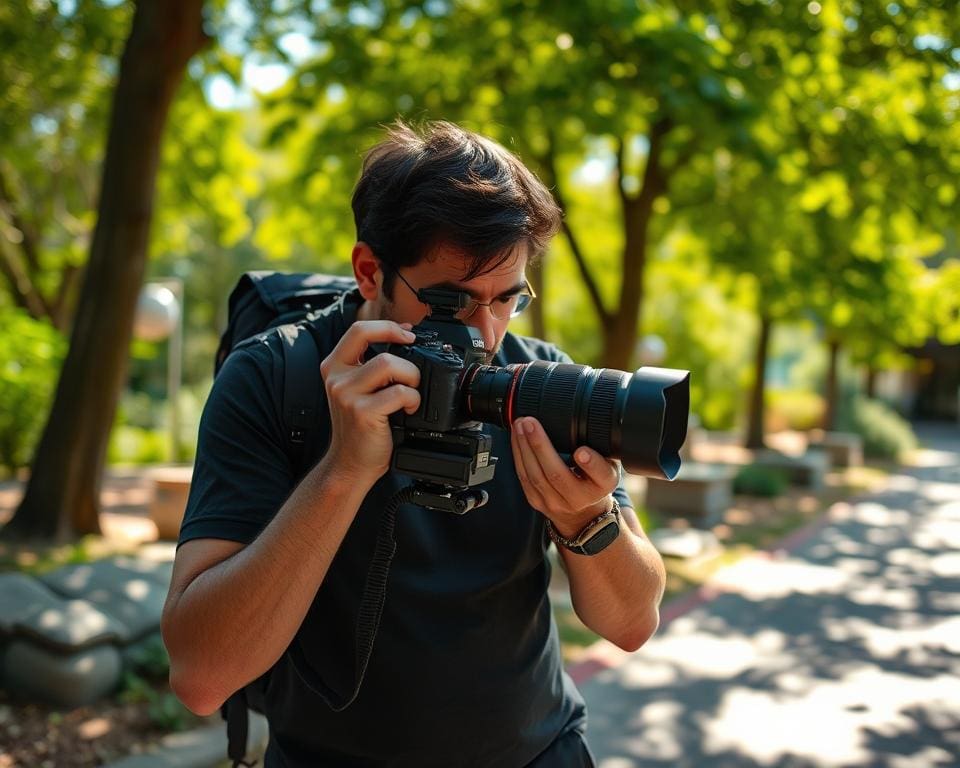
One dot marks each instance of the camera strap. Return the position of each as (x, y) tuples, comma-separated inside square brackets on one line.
[(368, 617), (304, 398)]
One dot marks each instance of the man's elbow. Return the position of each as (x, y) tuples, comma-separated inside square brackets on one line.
[(186, 681), (639, 633), (193, 693)]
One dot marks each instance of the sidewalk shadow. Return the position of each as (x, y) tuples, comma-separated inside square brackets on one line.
[(845, 653)]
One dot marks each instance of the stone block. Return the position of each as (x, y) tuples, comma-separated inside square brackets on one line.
[(69, 680), (695, 436), (700, 492), (808, 470), (29, 609), (844, 449), (686, 545), (130, 590)]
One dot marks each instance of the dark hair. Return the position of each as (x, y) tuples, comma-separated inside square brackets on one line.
[(444, 184)]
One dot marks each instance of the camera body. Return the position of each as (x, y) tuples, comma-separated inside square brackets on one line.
[(439, 444)]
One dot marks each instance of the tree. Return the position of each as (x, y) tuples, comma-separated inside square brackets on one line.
[(548, 80), (838, 222), (62, 497), (54, 110)]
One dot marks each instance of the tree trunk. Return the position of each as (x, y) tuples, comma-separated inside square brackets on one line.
[(831, 394), (62, 497), (621, 331), (871, 383), (757, 393)]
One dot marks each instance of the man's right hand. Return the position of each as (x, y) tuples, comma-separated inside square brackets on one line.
[(362, 395)]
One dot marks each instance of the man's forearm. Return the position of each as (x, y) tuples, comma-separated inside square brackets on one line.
[(617, 592), (233, 621)]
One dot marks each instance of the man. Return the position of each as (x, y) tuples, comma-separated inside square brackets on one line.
[(466, 667)]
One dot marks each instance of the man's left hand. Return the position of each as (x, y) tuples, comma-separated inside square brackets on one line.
[(570, 497)]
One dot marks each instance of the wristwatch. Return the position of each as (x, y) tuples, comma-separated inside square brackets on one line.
[(595, 537)]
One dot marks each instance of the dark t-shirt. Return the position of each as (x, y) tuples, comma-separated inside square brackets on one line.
[(466, 667)]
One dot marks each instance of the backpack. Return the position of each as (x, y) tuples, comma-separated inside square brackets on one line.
[(262, 301)]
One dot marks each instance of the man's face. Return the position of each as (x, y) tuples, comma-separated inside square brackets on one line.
[(445, 268)]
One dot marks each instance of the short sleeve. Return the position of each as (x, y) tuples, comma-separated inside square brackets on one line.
[(242, 474)]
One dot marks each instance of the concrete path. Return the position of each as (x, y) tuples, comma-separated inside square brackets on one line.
[(842, 651)]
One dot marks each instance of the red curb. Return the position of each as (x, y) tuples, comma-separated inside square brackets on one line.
[(605, 655)]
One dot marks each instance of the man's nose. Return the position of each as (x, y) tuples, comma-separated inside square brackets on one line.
[(485, 322)]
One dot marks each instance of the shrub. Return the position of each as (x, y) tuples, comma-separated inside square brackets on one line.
[(792, 409), (753, 480), (885, 433), (31, 352), (133, 445)]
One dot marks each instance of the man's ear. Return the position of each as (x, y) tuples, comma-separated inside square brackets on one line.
[(366, 268)]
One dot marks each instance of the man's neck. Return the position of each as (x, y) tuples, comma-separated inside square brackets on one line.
[(365, 311)]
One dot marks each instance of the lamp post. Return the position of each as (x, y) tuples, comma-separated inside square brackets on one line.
[(160, 316)]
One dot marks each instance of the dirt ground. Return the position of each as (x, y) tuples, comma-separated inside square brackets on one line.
[(38, 736)]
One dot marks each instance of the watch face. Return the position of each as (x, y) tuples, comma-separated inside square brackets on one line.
[(602, 537)]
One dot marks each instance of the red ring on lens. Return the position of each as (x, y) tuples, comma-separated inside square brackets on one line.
[(513, 385)]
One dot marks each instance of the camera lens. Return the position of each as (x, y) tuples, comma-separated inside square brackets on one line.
[(639, 418)]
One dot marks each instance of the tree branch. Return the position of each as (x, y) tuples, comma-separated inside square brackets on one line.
[(24, 294), (28, 239), (548, 160), (621, 161)]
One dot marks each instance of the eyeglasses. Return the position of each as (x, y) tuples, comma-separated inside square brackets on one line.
[(502, 307)]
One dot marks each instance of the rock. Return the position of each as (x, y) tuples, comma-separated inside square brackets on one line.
[(700, 492), (684, 544), (64, 680), (130, 590), (29, 609), (808, 470)]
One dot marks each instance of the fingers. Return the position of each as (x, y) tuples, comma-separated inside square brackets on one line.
[(383, 370), (350, 348), (390, 400), (597, 468), (346, 376), (544, 474), (529, 488)]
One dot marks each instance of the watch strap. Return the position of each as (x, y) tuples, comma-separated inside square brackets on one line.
[(582, 541)]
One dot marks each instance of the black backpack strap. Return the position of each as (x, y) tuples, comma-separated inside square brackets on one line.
[(302, 390), (234, 711)]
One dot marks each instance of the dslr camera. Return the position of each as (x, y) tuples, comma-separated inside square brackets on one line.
[(639, 418)]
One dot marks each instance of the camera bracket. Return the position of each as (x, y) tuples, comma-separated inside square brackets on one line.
[(458, 502)]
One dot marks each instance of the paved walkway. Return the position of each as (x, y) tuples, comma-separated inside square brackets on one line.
[(842, 651)]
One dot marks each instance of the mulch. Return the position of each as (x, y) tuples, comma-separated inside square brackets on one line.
[(39, 736)]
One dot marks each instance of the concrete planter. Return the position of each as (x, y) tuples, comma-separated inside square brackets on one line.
[(700, 493), (808, 470), (844, 449), (171, 486)]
